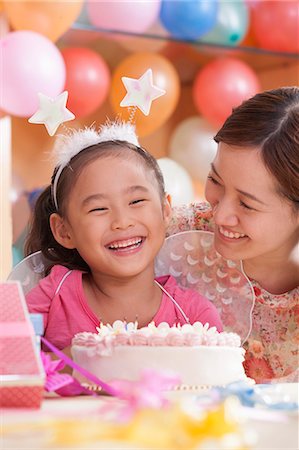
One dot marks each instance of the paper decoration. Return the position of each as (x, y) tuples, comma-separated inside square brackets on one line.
[(52, 112), (141, 92)]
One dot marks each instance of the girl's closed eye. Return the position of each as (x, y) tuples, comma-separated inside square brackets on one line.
[(139, 200), (100, 209)]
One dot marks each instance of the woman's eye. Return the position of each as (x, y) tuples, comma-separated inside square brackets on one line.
[(213, 180), (246, 206)]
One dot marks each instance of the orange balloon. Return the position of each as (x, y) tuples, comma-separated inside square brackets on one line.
[(164, 77), (50, 18)]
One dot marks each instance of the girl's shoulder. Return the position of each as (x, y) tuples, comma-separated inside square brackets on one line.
[(59, 276), (192, 216)]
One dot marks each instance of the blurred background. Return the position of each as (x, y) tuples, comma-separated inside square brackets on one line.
[(208, 55)]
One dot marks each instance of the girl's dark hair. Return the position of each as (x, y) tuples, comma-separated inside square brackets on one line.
[(40, 236), (269, 121)]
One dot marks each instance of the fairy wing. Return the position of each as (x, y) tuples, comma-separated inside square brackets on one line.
[(30, 270), (190, 257)]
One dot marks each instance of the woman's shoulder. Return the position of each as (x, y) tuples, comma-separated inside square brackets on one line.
[(192, 216), (287, 299)]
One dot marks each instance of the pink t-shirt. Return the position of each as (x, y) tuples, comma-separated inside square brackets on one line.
[(61, 300)]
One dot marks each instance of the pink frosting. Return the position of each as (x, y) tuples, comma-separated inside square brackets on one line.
[(163, 335)]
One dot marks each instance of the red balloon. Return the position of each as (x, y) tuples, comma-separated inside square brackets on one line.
[(87, 80), (276, 25), (221, 85)]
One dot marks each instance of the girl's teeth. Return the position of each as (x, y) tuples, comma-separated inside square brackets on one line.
[(230, 234), (124, 244)]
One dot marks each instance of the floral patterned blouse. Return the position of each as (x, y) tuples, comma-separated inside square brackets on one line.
[(272, 347)]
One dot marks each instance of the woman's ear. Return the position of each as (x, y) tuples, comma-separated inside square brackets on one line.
[(60, 231), (167, 210)]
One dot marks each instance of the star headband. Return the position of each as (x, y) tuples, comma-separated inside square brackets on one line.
[(53, 112)]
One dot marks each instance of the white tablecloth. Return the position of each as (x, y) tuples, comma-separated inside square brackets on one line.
[(273, 429)]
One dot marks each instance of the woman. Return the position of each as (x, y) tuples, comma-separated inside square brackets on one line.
[(253, 192)]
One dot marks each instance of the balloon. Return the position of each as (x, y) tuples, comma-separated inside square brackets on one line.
[(33, 64), (87, 80), (221, 85), (50, 18), (276, 25), (192, 146), (164, 77), (4, 25), (130, 16), (231, 23), (178, 183), (17, 255), (188, 19)]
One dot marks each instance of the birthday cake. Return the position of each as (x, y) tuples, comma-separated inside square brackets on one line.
[(199, 355)]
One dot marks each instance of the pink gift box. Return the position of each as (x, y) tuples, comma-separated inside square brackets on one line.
[(22, 376)]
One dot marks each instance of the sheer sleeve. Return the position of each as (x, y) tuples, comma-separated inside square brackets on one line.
[(194, 216)]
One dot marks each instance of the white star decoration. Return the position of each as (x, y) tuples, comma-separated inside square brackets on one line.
[(52, 112), (141, 92)]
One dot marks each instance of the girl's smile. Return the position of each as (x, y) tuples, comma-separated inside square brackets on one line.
[(127, 246)]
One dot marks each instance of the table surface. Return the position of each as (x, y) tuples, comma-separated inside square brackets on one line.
[(273, 429)]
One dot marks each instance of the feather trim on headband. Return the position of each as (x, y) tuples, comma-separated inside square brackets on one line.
[(118, 131), (69, 145)]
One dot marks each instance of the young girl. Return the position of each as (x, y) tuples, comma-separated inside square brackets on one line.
[(253, 190), (101, 223)]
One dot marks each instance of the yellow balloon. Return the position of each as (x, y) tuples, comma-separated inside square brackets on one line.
[(164, 77), (50, 18)]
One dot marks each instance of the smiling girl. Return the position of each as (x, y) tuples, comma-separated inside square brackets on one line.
[(101, 223)]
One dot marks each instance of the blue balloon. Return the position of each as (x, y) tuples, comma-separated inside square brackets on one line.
[(188, 19)]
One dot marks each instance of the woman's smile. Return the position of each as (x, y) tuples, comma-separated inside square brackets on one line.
[(231, 235)]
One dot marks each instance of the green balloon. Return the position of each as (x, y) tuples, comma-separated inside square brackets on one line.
[(17, 255), (231, 24)]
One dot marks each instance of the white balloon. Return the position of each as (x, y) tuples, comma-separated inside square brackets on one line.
[(192, 146), (178, 183)]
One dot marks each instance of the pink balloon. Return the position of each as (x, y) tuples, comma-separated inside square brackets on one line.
[(221, 85), (133, 16), (33, 64)]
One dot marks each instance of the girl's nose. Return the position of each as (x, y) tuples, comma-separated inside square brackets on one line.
[(121, 220), (224, 214)]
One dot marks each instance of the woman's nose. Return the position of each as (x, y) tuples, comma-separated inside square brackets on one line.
[(224, 213)]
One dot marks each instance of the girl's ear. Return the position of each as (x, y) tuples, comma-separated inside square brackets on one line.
[(167, 210), (60, 231)]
